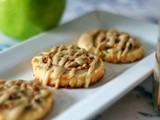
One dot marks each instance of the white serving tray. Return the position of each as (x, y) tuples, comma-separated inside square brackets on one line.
[(71, 104)]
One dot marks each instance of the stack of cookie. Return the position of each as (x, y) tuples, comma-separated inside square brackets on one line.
[(66, 66)]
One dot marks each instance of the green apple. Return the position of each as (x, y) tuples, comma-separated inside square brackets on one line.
[(22, 19)]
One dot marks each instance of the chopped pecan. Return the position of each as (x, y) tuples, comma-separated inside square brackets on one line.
[(45, 60)]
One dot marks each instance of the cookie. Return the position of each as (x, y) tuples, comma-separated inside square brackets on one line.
[(68, 67), (24, 100), (112, 46)]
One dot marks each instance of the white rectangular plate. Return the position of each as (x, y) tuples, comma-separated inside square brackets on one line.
[(118, 80)]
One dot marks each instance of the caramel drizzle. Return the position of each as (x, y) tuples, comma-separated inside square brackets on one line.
[(17, 95), (112, 42), (61, 59)]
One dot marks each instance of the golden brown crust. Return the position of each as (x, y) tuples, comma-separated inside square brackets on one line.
[(22, 100), (76, 81), (83, 70), (112, 46), (39, 115)]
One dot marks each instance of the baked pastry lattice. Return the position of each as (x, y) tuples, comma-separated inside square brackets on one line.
[(24, 100), (67, 66), (112, 46)]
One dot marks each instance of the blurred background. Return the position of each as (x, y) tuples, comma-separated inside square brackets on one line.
[(139, 9), (147, 10)]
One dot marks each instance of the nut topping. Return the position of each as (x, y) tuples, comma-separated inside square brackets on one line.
[(67, 57), (16, 92)]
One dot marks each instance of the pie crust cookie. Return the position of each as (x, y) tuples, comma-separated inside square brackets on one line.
[(112, 46), (24, 100), (68, 67)]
